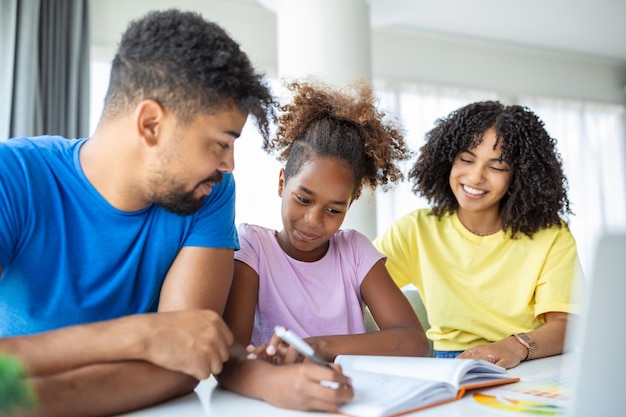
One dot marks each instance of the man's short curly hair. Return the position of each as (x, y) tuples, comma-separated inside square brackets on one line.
[(189, 66), (537, 196), (346, 125)]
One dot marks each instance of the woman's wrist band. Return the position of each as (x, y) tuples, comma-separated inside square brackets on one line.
[(528, 342)]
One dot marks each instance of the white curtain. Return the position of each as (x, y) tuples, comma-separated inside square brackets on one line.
[(591, 139), (17, 72), (44, 79)]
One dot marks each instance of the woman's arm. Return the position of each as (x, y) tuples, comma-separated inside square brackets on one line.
[(508, 352)]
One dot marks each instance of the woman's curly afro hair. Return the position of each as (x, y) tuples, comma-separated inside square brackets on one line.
[(346, 125), (537, 196)]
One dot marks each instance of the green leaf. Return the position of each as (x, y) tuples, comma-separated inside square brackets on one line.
[(15, 392)]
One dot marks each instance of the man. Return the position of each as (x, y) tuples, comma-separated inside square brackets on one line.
[(137, 219)]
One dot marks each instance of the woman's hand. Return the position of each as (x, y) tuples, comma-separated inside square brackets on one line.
[(507, 353)]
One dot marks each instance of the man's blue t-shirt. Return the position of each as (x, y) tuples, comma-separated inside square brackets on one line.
[(70, 257)]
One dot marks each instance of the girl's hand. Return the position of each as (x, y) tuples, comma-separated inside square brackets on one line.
[(259, 352), (305, 386), (254, 352), (276, 352)]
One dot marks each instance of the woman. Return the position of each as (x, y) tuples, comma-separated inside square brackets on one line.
[(494, 262)]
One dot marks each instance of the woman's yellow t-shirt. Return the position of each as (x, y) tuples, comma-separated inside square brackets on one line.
[(480, 289)]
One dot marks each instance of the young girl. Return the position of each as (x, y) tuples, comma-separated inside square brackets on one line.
[(312, 277), (495, 264)]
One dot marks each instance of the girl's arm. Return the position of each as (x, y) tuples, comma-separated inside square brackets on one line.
[(241, 304), (401, 332), (295, 386)]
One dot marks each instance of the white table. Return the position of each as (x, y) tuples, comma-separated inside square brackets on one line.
[(209, 400)]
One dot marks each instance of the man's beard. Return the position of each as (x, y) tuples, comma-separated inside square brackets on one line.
[(185, 203)]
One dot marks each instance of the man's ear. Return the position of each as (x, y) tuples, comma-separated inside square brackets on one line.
[(281, 182), (149, 115)]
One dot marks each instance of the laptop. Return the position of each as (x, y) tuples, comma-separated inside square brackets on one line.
[(599, 364)]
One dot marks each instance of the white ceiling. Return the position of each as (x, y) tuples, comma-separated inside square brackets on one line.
[(590, 27)]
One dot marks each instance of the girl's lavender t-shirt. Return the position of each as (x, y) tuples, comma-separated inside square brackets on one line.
[(309, 298)]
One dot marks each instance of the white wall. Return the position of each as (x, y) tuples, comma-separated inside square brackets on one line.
[(396, 55), (497, 67), (249, 24)]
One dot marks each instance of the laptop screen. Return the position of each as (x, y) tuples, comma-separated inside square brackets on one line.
[(599, 365)]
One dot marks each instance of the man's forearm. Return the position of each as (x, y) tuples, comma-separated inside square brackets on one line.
[(107, 389), (62, 350)]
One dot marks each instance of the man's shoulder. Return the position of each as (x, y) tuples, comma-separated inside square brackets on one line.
[(222, 196), (38, 141), (23, 147), (225, 186)]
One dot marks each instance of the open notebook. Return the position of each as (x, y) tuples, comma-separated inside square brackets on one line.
[(599, 366)]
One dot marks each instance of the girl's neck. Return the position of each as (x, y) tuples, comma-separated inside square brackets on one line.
[(309, 256), (481, 224)]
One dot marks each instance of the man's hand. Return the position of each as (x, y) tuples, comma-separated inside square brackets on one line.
[(194, 342)]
